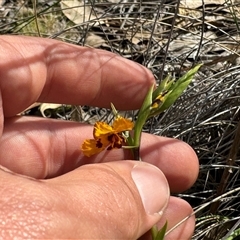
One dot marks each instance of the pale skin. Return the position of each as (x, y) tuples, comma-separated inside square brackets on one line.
[(48, 188)]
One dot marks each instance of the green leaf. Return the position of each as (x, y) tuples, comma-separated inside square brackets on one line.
[(159, 234), (234, 235), (142, 117), (173, 90)]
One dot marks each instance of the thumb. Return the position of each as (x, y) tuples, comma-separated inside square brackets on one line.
[(115, 200)]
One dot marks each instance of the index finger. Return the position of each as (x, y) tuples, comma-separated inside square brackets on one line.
[(45, 70)]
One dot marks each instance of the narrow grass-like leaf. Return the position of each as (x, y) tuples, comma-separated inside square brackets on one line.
[(159, 234), (154, 232), (234, 235)]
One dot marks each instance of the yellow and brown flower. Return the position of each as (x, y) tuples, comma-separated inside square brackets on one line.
[(106, 136)]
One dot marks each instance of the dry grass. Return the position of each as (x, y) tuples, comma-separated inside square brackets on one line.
[(169, 40)]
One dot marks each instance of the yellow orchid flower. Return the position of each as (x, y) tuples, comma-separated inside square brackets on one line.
[(106, 136)]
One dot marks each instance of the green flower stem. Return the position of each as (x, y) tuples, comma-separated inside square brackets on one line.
[(142, 118), (154, 103)]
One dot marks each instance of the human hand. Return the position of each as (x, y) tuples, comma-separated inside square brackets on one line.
[(48, 188)]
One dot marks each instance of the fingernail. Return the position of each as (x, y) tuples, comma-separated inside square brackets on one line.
[(152, 186)]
